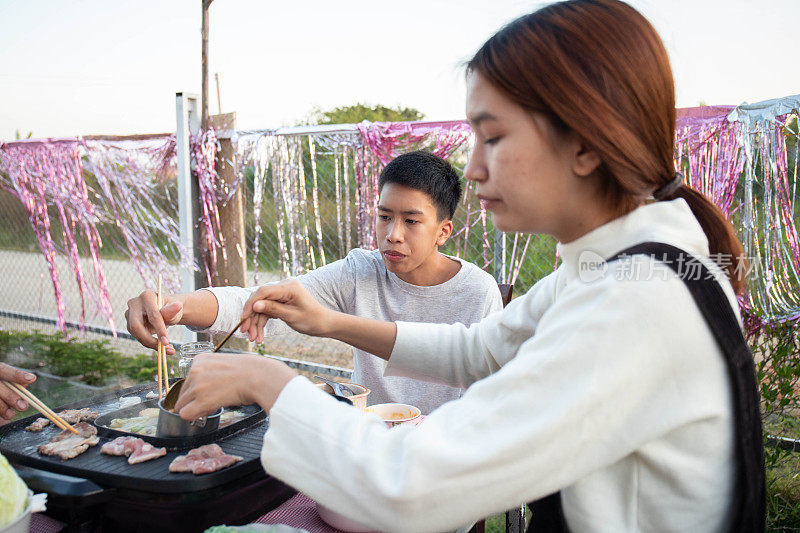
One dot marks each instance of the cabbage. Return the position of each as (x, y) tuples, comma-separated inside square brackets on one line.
[(13, 493)]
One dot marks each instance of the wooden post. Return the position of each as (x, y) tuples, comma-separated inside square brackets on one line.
[(232, 270), (204, 93)]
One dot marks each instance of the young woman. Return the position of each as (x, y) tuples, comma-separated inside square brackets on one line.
[(604, 382)]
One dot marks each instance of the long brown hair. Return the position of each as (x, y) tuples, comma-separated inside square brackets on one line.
[(599, 69)]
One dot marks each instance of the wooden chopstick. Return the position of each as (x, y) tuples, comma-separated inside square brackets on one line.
[(164, 363), (228, 336), (162, 348), (159, 346), (41, 407)]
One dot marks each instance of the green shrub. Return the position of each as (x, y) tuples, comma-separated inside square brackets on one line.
[(93, 362)]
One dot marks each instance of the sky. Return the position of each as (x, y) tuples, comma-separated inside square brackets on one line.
[(113, 67)]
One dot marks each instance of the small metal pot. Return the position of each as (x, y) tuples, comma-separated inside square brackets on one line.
[(172, 425)]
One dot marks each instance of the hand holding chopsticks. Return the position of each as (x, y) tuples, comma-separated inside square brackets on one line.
[(10, 402), (41, 407)]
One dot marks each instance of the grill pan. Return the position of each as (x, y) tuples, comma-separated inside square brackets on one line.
[(243, 438)]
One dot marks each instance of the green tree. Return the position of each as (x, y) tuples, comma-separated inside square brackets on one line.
[(354, 114)]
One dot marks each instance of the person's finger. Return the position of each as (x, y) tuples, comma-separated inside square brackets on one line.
[(259, 294), (170, 311), (156, 321), (16, 375), (275, 309), (252, 331), (10, 400), (261, 322), (136, 319), (186, 396)]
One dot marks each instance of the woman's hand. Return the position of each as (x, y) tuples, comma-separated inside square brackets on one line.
[(289, 301), (148, 323), (10, 401), (223, 380)]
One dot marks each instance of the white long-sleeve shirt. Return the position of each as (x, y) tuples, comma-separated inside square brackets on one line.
[(612, 390)]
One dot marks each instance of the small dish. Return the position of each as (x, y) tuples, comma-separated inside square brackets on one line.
[(396, 414), (359, 399)]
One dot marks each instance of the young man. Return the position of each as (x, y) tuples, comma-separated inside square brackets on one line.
[(406, 278)]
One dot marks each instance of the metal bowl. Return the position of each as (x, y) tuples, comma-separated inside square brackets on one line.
[(172, 425)]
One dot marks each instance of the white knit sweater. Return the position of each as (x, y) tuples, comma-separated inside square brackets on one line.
[(612, 390)]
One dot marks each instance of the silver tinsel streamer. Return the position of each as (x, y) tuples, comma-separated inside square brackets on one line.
[(769, 230)]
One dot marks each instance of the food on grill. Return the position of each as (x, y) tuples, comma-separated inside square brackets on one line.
[(38, 425), (203, 460), (147, 421), (73, 416), (68, 445), (137, 450), (143, 424), (70, 416)]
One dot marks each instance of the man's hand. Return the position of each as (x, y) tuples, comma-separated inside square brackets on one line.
[(10, 401), (289, 301), (147, 323)]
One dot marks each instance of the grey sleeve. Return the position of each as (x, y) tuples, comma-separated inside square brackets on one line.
[(333, 285), (494, 301)]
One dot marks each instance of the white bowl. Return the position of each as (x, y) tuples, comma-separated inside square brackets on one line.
[(23, 522), (338, 521), (395, 414)]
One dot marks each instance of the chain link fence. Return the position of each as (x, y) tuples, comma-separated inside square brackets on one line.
[(308, 198)]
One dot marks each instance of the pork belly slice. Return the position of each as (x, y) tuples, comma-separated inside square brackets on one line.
[(73, 416), (203, 460), (68, 445), (38, 425), (206, 466), (116, 446), (144, 451), (137, 450)]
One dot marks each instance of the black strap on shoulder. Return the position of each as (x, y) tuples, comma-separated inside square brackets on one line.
[(748, 510)]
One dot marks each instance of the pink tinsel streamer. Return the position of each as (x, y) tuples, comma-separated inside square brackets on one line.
[(387, 140), (204, 148), (42, 174)]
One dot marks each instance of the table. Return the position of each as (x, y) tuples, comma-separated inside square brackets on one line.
[(298, 511)]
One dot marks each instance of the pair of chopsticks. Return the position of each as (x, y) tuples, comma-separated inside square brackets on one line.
[(41, 407), (161, 353)]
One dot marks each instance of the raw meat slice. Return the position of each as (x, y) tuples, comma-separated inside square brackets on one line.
[(137, 450), (206, 466), (144, 451), (203, 460), (68, 445), (116, 446)]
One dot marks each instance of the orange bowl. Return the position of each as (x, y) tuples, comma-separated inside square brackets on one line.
[(396, 414), (359, 399)]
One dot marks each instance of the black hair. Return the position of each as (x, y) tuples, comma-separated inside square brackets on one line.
[(428, 173)]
